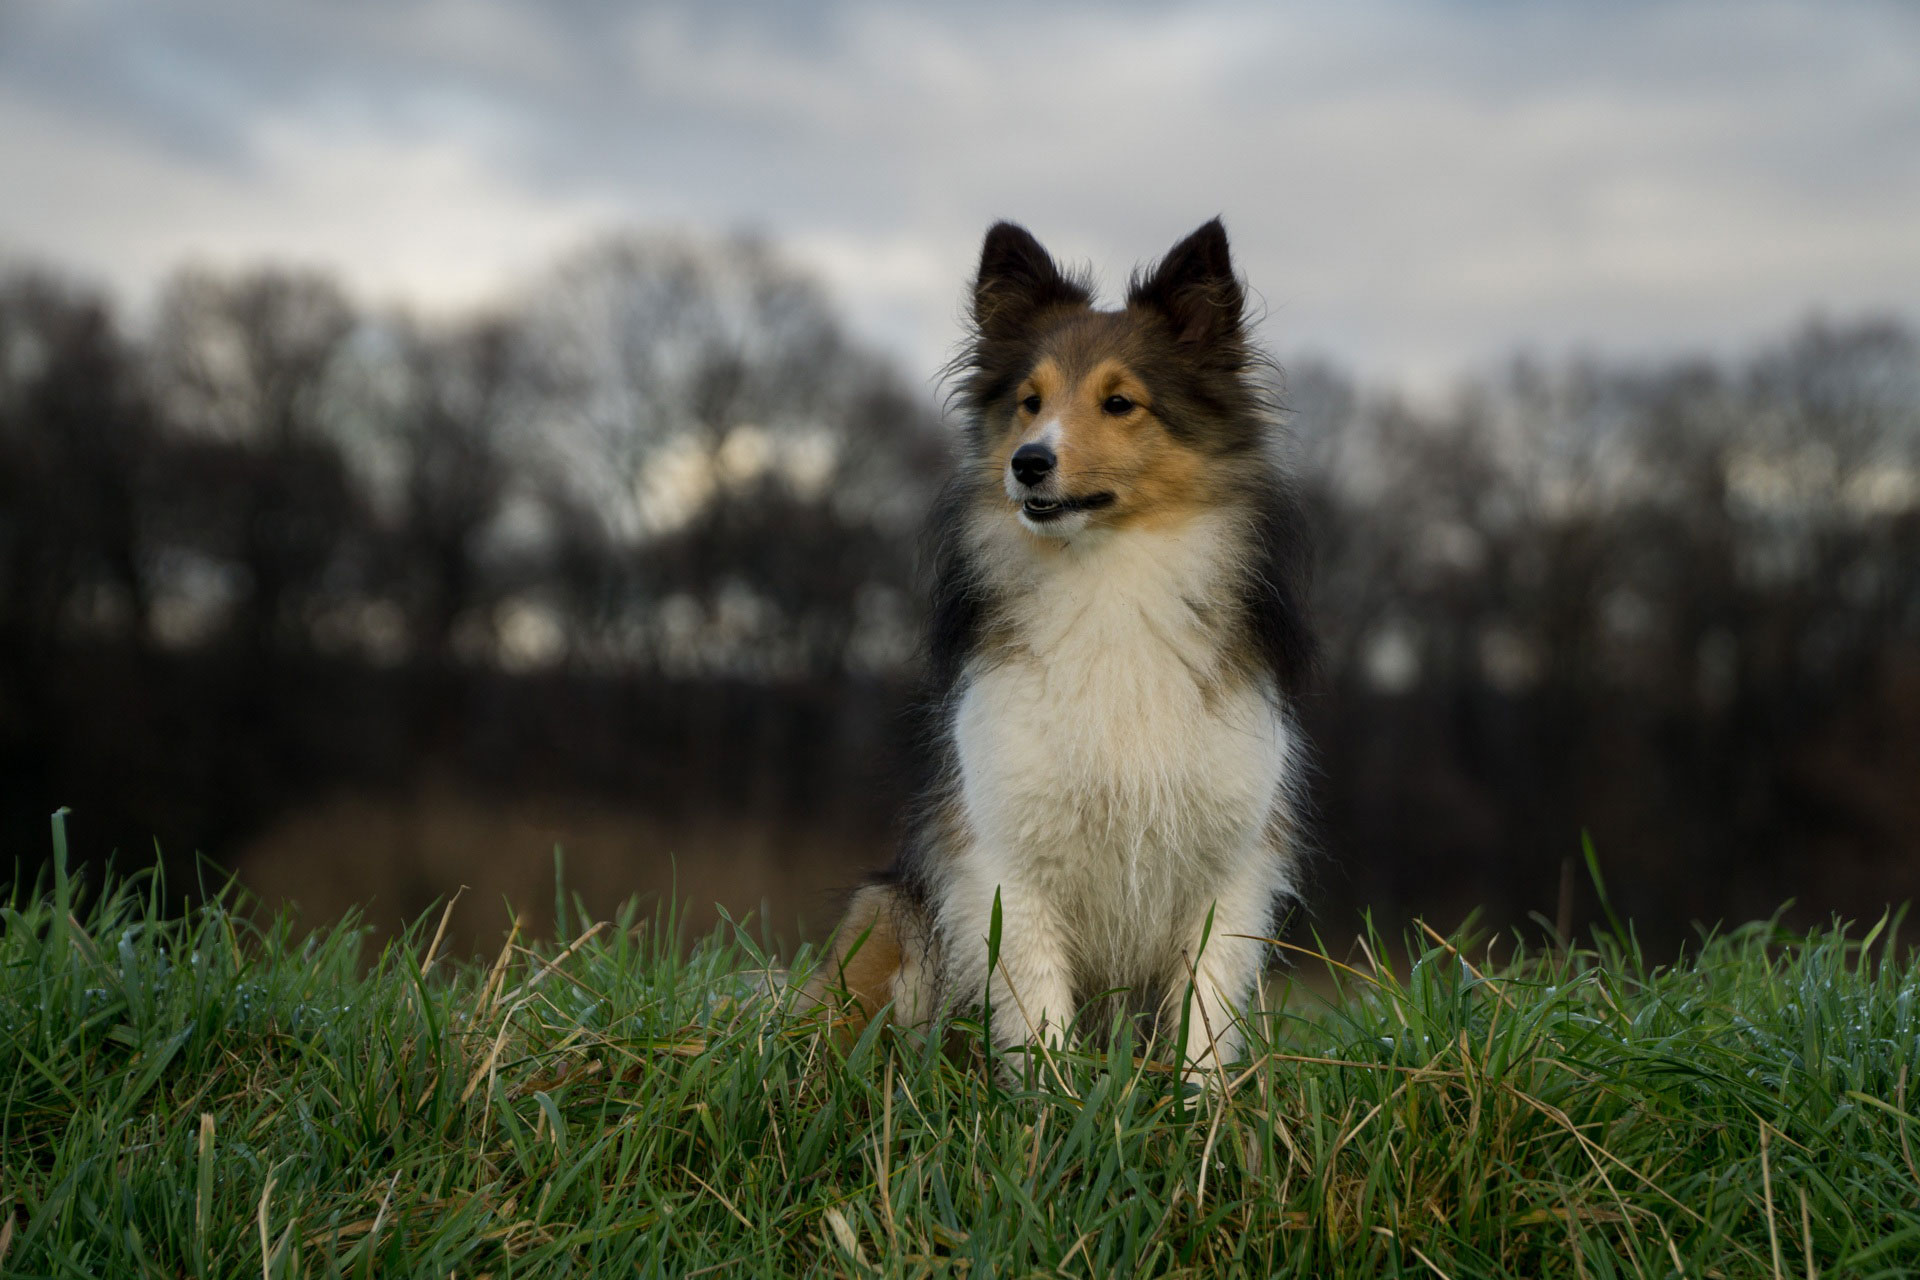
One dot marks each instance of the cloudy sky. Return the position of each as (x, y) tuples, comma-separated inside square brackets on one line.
[(1412, 188)]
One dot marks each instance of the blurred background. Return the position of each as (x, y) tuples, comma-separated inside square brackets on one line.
[(432, 432)]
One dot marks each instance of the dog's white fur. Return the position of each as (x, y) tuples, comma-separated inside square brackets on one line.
[(1118, 786)]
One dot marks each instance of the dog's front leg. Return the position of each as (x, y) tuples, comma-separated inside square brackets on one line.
[(1032, 996), (1029, 988), (1220, 969)]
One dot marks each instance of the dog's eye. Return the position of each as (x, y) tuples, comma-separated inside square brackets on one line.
[(1118, 406), (1031, 404)]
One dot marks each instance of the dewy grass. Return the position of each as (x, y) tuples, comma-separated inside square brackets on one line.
[(197, 1096)]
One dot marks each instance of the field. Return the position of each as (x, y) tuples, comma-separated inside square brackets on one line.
[(201, 1096)]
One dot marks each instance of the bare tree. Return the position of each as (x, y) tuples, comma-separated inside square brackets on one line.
[(702, 400), (75, 443), (243, 365), (450, 430)]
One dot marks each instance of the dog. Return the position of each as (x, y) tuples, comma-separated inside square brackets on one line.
[(1118, 638)]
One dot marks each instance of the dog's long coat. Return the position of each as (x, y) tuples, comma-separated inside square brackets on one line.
[(1118, 634)]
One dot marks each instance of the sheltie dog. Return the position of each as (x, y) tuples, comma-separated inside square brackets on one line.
[(1118, 636)]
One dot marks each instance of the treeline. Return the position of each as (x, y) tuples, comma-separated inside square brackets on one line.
[(669, 455), (649, 532), (1676, 605), (628, 533)]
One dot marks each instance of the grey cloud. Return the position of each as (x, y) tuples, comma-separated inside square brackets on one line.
[(1412, 185)]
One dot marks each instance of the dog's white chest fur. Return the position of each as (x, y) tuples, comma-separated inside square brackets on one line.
[(1110, 759)]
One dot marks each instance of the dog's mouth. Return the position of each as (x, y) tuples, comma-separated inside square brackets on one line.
[(1042, 510)]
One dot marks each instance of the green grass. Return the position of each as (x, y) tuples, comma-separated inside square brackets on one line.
[(199, 1096)]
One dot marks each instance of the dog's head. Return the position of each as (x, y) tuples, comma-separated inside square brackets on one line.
[(1086, 418)]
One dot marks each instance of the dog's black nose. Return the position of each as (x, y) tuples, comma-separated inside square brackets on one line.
[(1032, 463)]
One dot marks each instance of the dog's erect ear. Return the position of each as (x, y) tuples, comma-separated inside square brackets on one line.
[(1195, 288), (1017, 281)]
